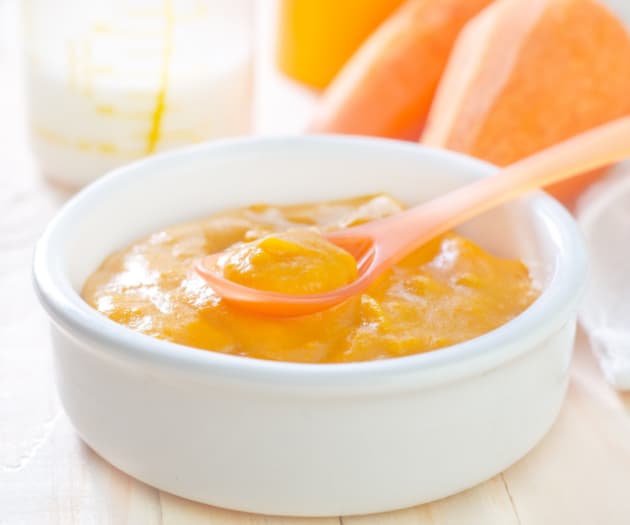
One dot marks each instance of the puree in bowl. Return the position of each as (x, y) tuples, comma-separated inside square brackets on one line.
[(448, 291)]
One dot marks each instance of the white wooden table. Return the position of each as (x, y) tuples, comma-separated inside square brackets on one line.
[(579, 474)]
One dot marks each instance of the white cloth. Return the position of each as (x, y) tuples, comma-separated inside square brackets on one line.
[(604, 216)]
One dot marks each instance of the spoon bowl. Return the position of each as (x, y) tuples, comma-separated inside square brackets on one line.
[(277, 304)]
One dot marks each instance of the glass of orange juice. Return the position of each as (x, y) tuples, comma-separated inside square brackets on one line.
[(316, 37)]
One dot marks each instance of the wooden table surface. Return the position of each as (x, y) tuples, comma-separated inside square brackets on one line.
[(579, 474)]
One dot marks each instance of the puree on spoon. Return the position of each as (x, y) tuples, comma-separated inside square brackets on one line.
[(448, 291), (298, 261)]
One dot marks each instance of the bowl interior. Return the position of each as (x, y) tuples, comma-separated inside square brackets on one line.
[(146, 196)]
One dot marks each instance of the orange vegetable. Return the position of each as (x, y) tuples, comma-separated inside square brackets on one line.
[(316, 37), (526, 74), (387, 87)]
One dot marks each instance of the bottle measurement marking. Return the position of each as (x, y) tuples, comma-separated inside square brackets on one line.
[(118, 74), (160, 102)]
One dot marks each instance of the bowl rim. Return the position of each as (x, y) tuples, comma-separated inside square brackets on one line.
[(546, 316)]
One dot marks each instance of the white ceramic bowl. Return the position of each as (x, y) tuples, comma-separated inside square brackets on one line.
[(300, 439)]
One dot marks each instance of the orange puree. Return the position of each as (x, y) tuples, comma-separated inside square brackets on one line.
[(448, 291), (293, 262)]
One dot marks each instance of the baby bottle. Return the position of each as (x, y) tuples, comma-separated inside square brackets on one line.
[(109, 81)]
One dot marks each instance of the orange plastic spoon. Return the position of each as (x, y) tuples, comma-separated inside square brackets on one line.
[(380, 244)]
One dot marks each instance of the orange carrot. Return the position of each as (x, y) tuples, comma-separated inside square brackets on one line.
[(526, 74), (386, 88)]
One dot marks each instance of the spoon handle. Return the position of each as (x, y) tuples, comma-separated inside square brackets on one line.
[(593, 149)]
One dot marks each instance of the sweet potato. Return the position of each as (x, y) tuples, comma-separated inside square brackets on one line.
[(525, 74)]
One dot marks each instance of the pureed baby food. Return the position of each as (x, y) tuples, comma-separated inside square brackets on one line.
[(448, 291)]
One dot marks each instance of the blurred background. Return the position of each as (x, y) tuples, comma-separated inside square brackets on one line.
[(106, 82)]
